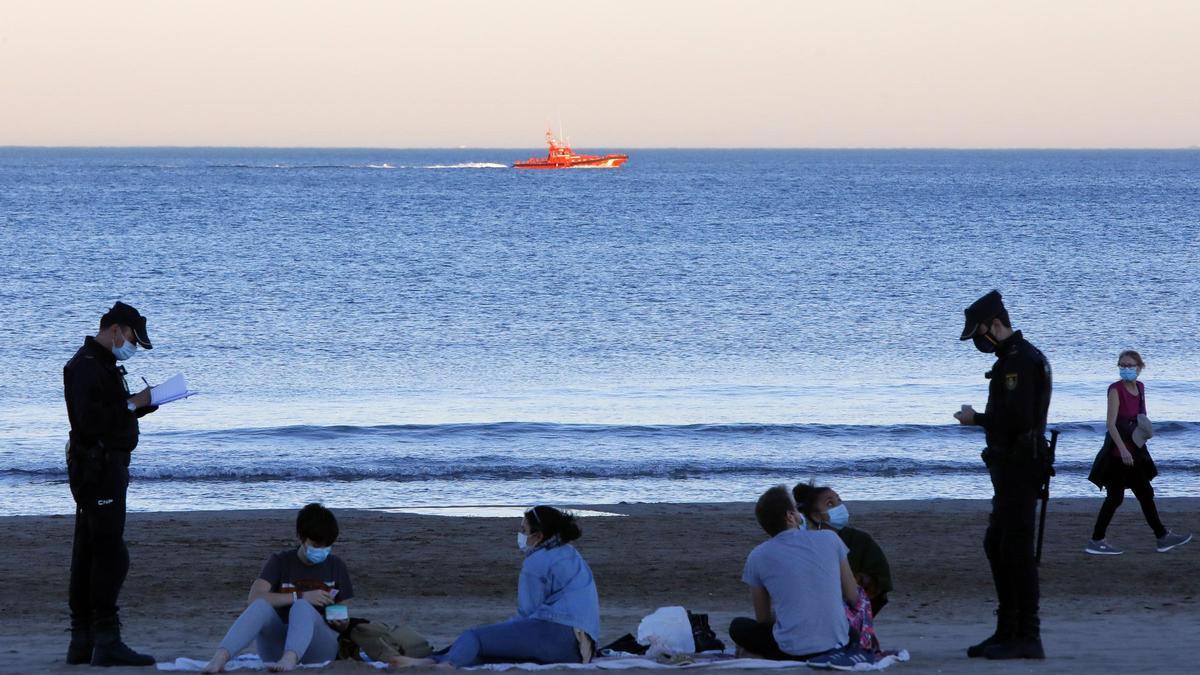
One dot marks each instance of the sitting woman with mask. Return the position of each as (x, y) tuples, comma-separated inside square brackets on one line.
[(823, 508), (286, 612), (558, 609)]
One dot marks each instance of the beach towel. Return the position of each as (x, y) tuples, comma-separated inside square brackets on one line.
[(706, 661), (243, 662)]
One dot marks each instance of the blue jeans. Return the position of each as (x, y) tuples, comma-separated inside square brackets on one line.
[(514, 641)]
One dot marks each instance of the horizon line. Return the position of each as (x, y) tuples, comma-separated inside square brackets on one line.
[(631, 147)]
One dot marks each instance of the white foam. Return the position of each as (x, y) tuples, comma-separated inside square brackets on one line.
[(468, 165), (484, 511)]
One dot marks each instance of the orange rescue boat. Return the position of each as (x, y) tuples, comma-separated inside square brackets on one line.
[(562, 157)]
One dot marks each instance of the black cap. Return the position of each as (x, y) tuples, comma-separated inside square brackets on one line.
[(982, 310), (126, 315)]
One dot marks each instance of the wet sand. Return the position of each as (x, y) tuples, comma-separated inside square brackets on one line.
[(191, 572)]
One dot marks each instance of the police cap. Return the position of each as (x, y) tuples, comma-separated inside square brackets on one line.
[(981, 311), (126, 315)]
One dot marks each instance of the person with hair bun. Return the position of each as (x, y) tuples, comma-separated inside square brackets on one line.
[(823, 508), (801, 587), (558, 609), (1122, 463)]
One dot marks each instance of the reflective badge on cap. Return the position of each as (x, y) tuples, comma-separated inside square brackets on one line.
[(1010, 381)]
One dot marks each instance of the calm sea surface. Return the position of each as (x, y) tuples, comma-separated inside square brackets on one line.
[(381, 328)]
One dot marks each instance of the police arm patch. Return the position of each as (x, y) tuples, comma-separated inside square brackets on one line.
[(1010, 381)]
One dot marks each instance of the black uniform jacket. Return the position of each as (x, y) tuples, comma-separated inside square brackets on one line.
[(97, 400), (1018, 399)]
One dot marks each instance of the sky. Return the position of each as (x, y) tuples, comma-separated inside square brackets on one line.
[(615, 74)]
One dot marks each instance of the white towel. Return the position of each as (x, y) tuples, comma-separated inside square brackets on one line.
[(252, 662)]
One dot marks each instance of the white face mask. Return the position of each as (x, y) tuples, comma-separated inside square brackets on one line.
[(125, 351), (522, 541), (839, 516)]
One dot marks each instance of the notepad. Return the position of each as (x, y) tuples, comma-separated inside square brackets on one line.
[(171, 390)]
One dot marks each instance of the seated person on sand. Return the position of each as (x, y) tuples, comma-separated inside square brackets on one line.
[(824, 510), (558, 610), (287, 600), (800, 584)]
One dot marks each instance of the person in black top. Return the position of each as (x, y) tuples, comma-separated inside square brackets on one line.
[(287, 612), (1016, 457), (823, 508), (104, 431)]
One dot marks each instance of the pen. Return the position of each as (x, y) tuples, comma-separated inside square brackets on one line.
[(147, 382)]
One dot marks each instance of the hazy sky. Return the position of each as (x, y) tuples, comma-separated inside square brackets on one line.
[(658, 73)]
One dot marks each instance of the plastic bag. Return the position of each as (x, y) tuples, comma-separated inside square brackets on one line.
[(667, 631)]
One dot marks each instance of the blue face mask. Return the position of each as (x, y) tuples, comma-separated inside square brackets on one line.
[(1127, 374), (316, 555), (125, 351), (839, 516)]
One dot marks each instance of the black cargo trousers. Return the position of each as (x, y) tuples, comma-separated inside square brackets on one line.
[(1009, 540), (99, 558)]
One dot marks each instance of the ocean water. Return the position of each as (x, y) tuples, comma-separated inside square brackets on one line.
[(387, 328)]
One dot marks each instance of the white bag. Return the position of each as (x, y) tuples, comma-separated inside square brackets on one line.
[(667, 631)]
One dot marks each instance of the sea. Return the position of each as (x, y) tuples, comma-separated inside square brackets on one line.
[(415, 328)]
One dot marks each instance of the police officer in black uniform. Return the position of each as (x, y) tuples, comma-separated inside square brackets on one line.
[(1017, 459), (104, 431)]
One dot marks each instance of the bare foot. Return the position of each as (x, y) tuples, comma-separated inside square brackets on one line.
[(409, 662), (217, 664), (287, 662)]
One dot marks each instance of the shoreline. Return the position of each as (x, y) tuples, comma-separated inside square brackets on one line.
[(440, 574)]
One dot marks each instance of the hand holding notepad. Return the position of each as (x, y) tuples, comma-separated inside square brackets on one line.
[(172, 390)]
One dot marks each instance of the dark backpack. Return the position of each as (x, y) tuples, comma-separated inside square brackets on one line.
[(702, 633)]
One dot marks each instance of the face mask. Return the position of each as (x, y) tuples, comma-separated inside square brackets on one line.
[(839, 516), (522, 540), (125, 351), (1128, 374), (985, 343), (316, 555)]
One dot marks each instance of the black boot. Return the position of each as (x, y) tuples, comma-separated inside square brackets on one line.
[(110, 651), (1026, 645), (1006, 630), (80, 650)]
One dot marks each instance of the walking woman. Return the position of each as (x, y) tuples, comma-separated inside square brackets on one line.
[(1122, 463), (558, 609)]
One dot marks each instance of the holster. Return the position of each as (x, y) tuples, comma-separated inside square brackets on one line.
[(1030, 447), (87, 460)]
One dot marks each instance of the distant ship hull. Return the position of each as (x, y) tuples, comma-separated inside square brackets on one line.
[(574, 162), (562, 157)]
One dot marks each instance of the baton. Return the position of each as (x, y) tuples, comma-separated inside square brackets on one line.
[(1045, 495)]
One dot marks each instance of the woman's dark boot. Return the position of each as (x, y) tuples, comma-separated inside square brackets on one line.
[(1026, 645), (110, 651), (1006, 630), (80, 651)]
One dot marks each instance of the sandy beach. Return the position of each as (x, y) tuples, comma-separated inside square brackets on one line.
[(191, 571)]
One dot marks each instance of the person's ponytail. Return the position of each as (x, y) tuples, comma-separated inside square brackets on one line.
[(553, 523)]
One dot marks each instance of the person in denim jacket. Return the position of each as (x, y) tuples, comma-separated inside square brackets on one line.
[(558, 609)]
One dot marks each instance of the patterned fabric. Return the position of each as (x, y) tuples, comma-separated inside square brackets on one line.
[(862, 623)]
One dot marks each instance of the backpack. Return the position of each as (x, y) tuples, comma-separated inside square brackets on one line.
[(381, 641)]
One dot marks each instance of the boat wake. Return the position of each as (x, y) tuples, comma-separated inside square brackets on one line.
[(467, 165)]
